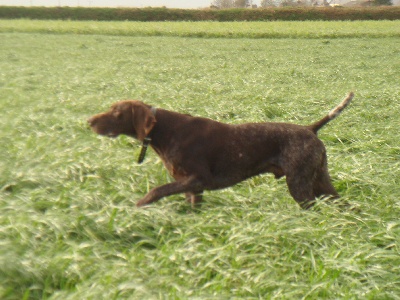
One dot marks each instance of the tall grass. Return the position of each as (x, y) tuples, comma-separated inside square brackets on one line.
[(69, 228)]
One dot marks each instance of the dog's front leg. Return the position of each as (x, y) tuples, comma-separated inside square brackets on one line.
[(181, 186), (195, 199)]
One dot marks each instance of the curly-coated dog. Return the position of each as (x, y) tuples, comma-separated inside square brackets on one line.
[(203, 154)]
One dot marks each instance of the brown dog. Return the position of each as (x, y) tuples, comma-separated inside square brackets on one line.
[(202, 154)]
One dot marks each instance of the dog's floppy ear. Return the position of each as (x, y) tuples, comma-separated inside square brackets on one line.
[(143, 120)]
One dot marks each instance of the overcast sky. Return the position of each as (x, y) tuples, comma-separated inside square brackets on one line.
[(112, 3)]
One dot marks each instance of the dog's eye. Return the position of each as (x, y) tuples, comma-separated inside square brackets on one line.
[(117, 114)]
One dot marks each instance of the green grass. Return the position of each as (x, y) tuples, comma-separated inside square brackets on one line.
[(69, 228), (310, 29)]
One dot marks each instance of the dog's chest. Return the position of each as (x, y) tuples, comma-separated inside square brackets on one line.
[(174, 163)]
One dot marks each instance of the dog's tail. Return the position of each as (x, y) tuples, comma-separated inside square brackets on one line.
[(332, 114)]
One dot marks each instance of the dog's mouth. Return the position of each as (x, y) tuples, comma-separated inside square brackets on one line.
[(98, 126), (110, 134)]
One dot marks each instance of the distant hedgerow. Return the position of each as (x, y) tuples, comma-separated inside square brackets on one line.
[(236, 14)]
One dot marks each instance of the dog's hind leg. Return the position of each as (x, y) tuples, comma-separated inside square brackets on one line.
[(300, 177), (301, 189), (323, 185)]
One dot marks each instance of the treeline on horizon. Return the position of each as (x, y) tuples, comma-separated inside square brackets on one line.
[(221, 15)]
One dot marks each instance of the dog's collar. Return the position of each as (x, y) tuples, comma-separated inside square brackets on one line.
[(146, 141)]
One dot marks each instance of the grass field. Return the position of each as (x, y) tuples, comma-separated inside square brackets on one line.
[(314, 29), (69, 228)]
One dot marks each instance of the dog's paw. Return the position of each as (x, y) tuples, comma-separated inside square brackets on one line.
[(141, 203)]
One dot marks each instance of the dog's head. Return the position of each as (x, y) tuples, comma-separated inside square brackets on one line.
[(131, 117)]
